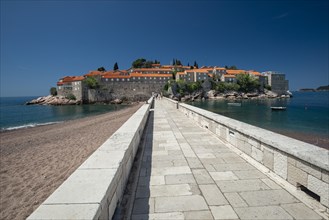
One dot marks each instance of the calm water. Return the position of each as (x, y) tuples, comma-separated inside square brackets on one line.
[(307, 112), (14, 114)]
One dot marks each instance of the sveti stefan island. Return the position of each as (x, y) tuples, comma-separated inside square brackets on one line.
[(164, 110)]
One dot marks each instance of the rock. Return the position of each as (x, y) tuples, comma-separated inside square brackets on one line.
[(212, 94), (53, 100), (252, 94), (270, 94), (116, 101)]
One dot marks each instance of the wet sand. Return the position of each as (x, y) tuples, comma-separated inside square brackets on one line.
[(34, 162)]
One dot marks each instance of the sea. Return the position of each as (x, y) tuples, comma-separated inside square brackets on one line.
[(306, 113), (14, 114)]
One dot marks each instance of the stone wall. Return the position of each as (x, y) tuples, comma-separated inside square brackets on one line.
[(299, 163), (134, 91), (96, 187)]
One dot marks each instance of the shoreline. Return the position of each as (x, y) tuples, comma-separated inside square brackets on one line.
[(36, 161)]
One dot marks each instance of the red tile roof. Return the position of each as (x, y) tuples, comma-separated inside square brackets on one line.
[(235, 72)]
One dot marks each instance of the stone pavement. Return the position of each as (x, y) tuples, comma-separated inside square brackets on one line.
[(188, 173)]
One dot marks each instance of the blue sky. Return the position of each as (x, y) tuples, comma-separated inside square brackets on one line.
[(42, 41)]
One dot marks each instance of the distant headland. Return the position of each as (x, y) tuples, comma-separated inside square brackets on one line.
[(319, 89)]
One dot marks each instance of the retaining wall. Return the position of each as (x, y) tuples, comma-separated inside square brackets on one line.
[(301, 164), (96, 187)]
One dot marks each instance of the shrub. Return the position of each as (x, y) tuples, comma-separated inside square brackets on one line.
[(53, 91), (71, 97), (91, 82)]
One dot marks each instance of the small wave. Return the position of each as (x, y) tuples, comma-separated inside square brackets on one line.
[(31, 125)]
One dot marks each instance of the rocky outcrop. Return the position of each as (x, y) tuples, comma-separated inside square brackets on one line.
[(53, 100), (232, 95), (116, 101)]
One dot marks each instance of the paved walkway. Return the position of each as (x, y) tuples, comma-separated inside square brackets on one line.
[(188, 173)]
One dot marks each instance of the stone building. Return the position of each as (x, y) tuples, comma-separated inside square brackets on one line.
[(277, 81), (71, 85)]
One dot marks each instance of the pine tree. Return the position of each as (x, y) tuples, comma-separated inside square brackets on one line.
[(195, 65), (115, 67)]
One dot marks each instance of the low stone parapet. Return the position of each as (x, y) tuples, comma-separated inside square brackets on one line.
[(303, 165), (96, 187)]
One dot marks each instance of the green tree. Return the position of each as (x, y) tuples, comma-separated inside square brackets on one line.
[(115, 67), (71, 97), (91, 82), (138, 63), (101, 69), (174, 74), (147, 64), (231, 67), (268, 87), (247, 83), (193, 86), (196, 65), (53, 91)]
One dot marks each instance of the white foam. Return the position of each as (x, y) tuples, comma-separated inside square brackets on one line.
[(31, 125)]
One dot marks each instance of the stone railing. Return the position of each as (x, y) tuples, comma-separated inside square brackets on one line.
[(95, 188), (303, 165)]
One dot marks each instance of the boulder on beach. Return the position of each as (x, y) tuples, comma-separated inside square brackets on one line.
[(116, 101)]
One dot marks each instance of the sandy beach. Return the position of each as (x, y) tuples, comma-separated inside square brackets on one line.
[(35, 161)]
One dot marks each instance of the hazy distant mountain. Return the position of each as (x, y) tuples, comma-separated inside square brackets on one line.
[(323, 88)]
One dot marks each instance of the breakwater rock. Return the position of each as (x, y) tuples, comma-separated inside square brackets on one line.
[(53, 100)]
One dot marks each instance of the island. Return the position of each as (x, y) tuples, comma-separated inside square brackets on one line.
[(182, 82)]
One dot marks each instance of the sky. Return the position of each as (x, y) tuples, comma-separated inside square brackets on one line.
[(45, 40)]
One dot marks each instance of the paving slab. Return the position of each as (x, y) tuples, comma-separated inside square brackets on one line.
[(241, 185), (179, 179), (249, 174), (263, 213), (235, 200), (198, 215), (300, 211), (268, 197), (202, 176), (223, 212), (158, 216), (180, 203), (213, 195), (225, 175)]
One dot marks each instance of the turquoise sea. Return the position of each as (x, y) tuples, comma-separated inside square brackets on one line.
[(307, 113), (14, 114)]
